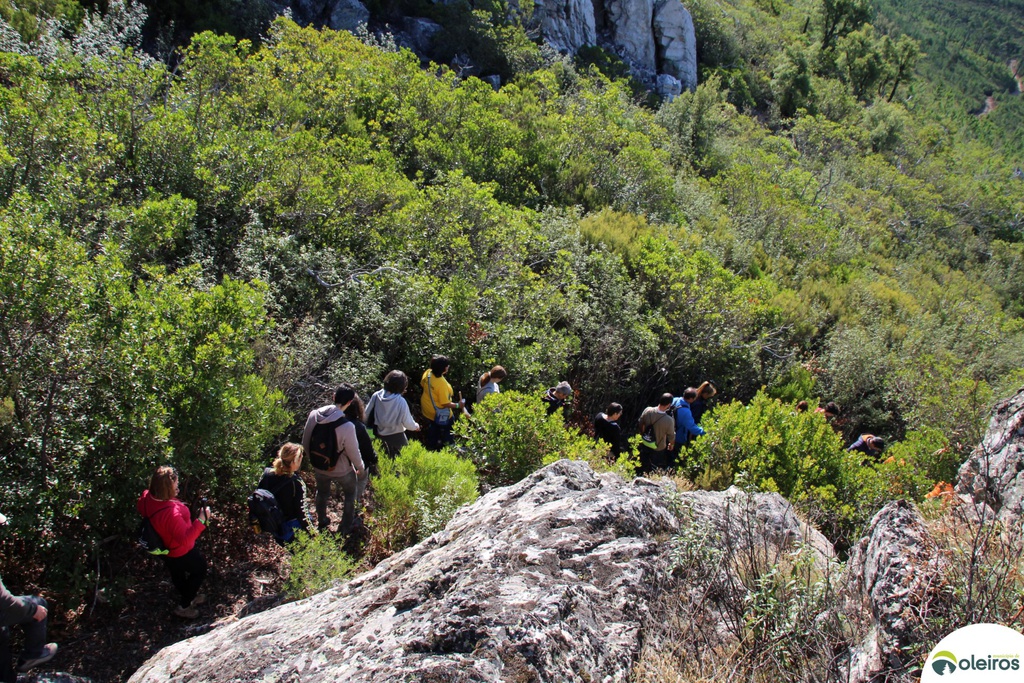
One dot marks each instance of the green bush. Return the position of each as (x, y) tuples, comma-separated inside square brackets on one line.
[(912, 467), (317, 560), (769, 446), (509, 437), (417, 493)]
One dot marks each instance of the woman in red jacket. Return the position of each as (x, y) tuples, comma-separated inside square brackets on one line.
[(173, 522)]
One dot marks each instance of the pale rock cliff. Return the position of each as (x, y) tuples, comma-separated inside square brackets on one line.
[(654, 36)]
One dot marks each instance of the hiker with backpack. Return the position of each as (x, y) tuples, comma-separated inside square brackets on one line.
[(686, 426), (868, 444), (657, 431), (172, 521), (388, 414), (28, 611), (279, 504), (437, 405), (333, 447)]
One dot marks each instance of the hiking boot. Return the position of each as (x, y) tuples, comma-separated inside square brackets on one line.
[(49, 650), (200, 599), (186, 612)]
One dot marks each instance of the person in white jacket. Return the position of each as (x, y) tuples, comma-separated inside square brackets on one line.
[(389, 415), (348, 471)]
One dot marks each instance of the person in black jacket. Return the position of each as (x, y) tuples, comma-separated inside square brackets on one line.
[(290, 492), (556, 398), (607, 429), (356, 413)]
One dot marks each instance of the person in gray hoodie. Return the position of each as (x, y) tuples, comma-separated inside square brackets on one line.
[(388, 412), (349, 473), (28, 611)]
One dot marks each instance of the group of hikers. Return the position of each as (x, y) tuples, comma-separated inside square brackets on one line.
[(337, 440)]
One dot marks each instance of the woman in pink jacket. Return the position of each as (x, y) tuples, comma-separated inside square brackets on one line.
[(173, 522)]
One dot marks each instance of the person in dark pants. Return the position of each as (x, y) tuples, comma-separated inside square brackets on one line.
[(28, 611), (388, 414), (868, 444), (283, 480), (437, 403), (658, 430), (356, 414), (173, 522), (607, 429)]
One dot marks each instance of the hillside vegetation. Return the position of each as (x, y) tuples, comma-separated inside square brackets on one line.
[(191, 257)]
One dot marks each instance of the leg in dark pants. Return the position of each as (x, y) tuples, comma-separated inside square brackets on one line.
[(394, 443), (35, 641), (651, 460), (7, 674), (187, 574)]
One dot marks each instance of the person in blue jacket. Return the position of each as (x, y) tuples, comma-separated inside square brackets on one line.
[(686, 426)]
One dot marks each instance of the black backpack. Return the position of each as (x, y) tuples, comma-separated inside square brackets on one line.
[(323, 445), (263, 508), (148, 539)]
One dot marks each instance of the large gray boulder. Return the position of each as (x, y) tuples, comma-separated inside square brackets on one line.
[(992, 479), (630, 26), (890, 572), (551, 579)]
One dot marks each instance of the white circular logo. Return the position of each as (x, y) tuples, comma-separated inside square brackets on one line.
[(981, 653)]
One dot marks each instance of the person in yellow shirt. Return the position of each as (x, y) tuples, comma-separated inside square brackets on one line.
[(437, 404)]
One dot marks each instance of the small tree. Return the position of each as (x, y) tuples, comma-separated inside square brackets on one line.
[(509, 437), (416, 494)]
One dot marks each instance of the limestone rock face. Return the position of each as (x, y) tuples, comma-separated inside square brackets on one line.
[(567, 25), (347, 15), (421, 32), (334, 14), (547, 580), (654, 36), (993, 477), (629, 23), (675, 42), (888, 574)]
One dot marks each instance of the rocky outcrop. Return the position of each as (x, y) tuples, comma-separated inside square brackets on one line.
[(675, 43), (567, 25), (889, 573), (339, 15), (551, 579), (654, 36), (992, 479)]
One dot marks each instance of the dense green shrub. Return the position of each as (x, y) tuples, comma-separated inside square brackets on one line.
[(910, 468), (509, 436), (417, 493), (108, 375), (317, 561), (770, 446)]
